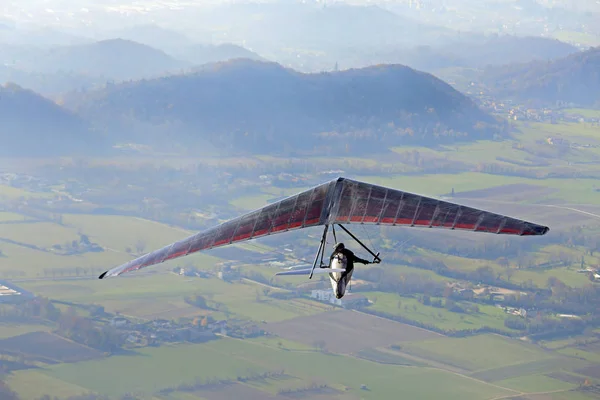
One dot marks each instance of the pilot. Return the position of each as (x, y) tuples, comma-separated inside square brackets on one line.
[(350, 258)]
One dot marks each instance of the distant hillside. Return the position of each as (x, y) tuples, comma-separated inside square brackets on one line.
[(34, 126), (42, 37), (312, 26), (182, 47), (85, 67), (262, 107), (507, 49), (154, 36), (112, 59), (50, 84), (471, 52), (203, 54), (575, 78)]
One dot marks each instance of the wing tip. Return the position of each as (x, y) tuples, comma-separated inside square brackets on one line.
[(103, 275), (536, 230)]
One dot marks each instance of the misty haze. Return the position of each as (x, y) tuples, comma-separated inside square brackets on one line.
[(205, 158)]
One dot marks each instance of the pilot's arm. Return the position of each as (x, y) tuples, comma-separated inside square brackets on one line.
[(360, 260)]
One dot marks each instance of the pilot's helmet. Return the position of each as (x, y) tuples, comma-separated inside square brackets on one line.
[(339, 246)]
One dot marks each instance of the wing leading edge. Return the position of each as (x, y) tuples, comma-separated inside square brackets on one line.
[(341, 201)]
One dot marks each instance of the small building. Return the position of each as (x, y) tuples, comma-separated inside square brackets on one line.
[(321, 295), (119, 321), (350, 300)]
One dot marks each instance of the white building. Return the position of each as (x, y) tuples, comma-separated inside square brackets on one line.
[(349, 299)]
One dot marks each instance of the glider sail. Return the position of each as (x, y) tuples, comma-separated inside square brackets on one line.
[(341, 201)]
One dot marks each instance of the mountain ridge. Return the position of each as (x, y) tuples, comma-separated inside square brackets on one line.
[(257, 105)]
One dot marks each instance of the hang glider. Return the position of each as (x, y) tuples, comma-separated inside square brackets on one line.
[(341, 201)]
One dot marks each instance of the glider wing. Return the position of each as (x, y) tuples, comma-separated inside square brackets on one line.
[(309, 270), (341, 201)]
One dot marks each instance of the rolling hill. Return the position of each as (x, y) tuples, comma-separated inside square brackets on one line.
[(204, 54), (35, 126), (41, 37), (471, 52), (116, 59), (507, 49), (50, 84), (258, 107), (152, 35), (571, 79)]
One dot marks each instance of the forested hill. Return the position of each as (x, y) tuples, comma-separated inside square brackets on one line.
[(35, 126), (575, 78), (259, 107)]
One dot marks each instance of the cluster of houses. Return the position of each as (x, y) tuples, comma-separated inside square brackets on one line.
[(24, 181), (560, 142), (523, 113), (593, 273), (154, 332)]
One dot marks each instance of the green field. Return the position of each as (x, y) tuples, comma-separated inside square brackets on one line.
[(162, 294), (9, 330), (482, 151), (120, 232), (34, 262), (252, 202), (12, 193), (539, 277), (114, 233), (535, 383), (571, 395), (589, 355), (41, 234), (575, 191), (172, 365), (34, 384), (476, 353), (585, 112), (441, 318), (12, 217)]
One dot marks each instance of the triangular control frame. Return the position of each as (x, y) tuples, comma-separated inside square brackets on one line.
[(321, 251)]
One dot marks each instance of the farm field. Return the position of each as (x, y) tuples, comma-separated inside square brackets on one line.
[(574, 191), (33, 384), (8, 330), (228, 359), (552, 365), (570, 395), (10, 217), (533, 383), (474, 353), (441, 318), (342, 329), (48, 347), (161, 295)]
